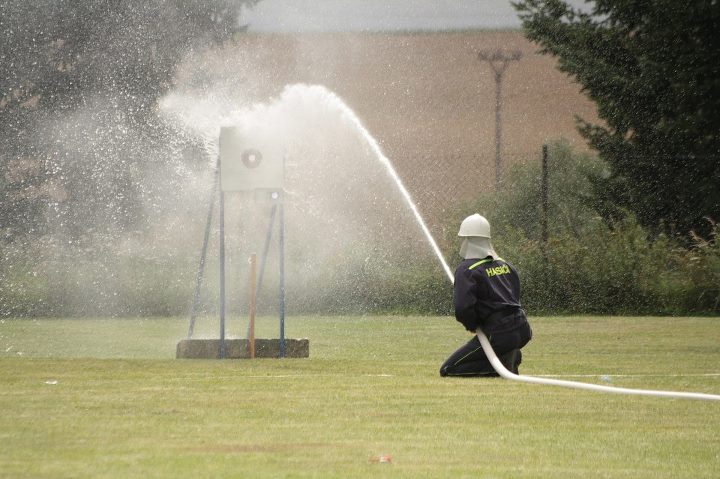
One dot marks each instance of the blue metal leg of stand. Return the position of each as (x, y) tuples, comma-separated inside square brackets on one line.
[(203, 255), (222, 275), (282, 281)]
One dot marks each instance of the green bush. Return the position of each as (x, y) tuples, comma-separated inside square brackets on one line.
[(698, 272)]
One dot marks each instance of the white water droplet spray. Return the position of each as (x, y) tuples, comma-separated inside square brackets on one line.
[(350, 115)]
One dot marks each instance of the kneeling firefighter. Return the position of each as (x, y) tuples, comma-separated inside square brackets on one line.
[(486, 295)]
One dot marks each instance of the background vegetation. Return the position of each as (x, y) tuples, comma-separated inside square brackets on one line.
[(588, 265)]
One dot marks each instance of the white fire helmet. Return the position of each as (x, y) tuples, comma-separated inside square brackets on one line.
[(475, 231)]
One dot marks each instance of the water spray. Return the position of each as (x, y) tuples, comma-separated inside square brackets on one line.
[(375, 147)]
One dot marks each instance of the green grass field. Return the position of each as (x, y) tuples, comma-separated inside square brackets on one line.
[(105, 398)]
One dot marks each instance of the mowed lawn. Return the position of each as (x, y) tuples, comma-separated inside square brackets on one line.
[(105, 398)]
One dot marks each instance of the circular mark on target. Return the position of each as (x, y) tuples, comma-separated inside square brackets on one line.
[(251, 158)]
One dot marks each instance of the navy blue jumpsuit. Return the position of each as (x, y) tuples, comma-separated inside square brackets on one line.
[(487, 295)]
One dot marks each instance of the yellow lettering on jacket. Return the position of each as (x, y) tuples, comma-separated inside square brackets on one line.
[(497, 270)]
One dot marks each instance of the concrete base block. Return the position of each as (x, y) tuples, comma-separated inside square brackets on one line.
[(239, 348)]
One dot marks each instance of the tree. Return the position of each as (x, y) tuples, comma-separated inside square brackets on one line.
[(79, 82), (651, 66)]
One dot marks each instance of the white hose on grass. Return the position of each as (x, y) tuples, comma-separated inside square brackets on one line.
[(503, 372)]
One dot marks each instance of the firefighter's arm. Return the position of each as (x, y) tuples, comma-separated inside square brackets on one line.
[(464, 299)]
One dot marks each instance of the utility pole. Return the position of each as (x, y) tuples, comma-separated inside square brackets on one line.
[(544, 194), (498, 61)]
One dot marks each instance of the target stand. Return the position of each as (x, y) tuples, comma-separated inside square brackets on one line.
[(250, 161)]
